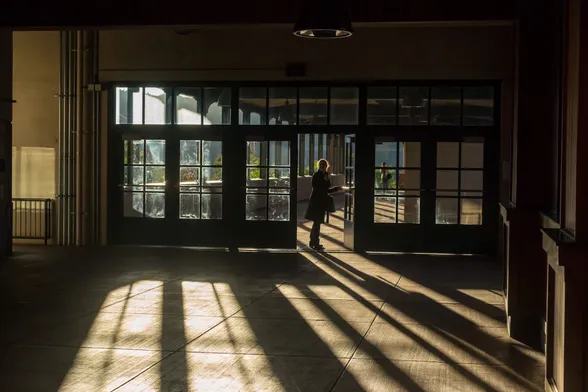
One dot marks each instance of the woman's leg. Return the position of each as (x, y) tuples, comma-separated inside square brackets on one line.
[(315, 233)]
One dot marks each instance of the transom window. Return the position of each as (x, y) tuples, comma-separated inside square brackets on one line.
[(401, 105)]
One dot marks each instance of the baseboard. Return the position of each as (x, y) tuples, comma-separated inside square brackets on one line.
[(527, 329)]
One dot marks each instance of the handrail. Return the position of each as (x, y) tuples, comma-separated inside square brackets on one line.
[(31, 219)]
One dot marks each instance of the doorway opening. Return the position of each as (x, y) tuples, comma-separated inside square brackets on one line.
[(312, 148)]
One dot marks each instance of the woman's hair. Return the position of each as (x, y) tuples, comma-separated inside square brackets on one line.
[(321, 161)]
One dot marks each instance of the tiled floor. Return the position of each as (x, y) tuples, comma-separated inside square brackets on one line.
[(155, 319)]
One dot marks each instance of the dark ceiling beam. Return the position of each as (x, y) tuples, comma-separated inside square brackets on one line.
[(112, 13)]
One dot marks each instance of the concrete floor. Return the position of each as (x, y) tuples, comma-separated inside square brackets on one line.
[(156, 319)]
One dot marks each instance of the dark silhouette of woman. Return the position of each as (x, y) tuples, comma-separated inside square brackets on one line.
[(319, 201)]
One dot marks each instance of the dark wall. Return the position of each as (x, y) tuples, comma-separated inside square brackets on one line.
[(39, 13)]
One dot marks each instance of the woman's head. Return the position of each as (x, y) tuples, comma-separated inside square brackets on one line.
[(323, 165)]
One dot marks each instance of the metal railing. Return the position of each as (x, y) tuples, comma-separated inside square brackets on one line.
[(31, 219)]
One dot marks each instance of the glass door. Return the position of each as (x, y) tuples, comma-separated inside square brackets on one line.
[(268, 193), (349, 188)]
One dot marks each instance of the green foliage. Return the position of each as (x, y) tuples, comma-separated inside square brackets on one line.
[(391, 181)]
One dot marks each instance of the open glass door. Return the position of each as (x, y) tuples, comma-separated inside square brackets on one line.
[(269, 193), (349, 187)]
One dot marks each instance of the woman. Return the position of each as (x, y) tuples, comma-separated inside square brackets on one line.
[(319, 202)]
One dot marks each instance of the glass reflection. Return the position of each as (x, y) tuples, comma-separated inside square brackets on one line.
[(446, 211), (129, 105), (189, 152), (313, 106), (381, 105), (282, 106), (252, 105), (158, 105), (344, 106), (414, 102), (212, 206), (255, 207), (446, 106), (189, 107), (155, 205), (189, 206), (279, 208)]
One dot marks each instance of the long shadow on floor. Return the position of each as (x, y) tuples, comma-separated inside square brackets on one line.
[(451, 328)]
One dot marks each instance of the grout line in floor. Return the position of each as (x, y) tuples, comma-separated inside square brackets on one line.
[(356, 349)]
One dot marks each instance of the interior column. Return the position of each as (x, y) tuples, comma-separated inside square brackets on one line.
[(536, 93), (5, 143)]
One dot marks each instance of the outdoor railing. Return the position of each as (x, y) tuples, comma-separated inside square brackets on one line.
[(31, 219)]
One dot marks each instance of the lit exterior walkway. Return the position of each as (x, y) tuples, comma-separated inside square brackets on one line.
[(156, 319)]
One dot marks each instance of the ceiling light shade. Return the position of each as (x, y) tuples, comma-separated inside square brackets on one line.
[(323, 19)]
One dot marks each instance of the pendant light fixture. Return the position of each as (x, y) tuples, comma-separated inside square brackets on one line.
[(323, 19)]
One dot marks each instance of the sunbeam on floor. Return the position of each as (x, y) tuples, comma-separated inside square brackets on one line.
[(184, 320)]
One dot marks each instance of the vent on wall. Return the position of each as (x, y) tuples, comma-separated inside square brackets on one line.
[(295, 70)]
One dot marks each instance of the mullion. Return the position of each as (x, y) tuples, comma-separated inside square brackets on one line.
[(459, 163), (144, 169)]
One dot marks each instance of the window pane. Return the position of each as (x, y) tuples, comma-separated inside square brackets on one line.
[(133, 204), (212, 176), (279, 208), (155, 152), (313, 106), (257, 153), (282, 106), (471, 211), (256, 177), (446, 212), (158, 107), (134, 152), (189, 152), (155, 205), (212, 153), (472, 155), (279, 178), (155, 177), (344, 106), (129, 105), (279, 153), (255, 207), (136, 173), (409, 179), (472, 180), (447, 179), (409, 210), (413, 106), (385, 178), (445, 106), (410, 154), (217, 105), (386, 154), (212, 206), (189, 206), (478, 106), (189, 179), (385, 209), (448, 154), (252, 105), (189, 106), (381, 105)]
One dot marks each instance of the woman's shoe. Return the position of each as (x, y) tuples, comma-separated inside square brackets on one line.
[(317, 247)]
